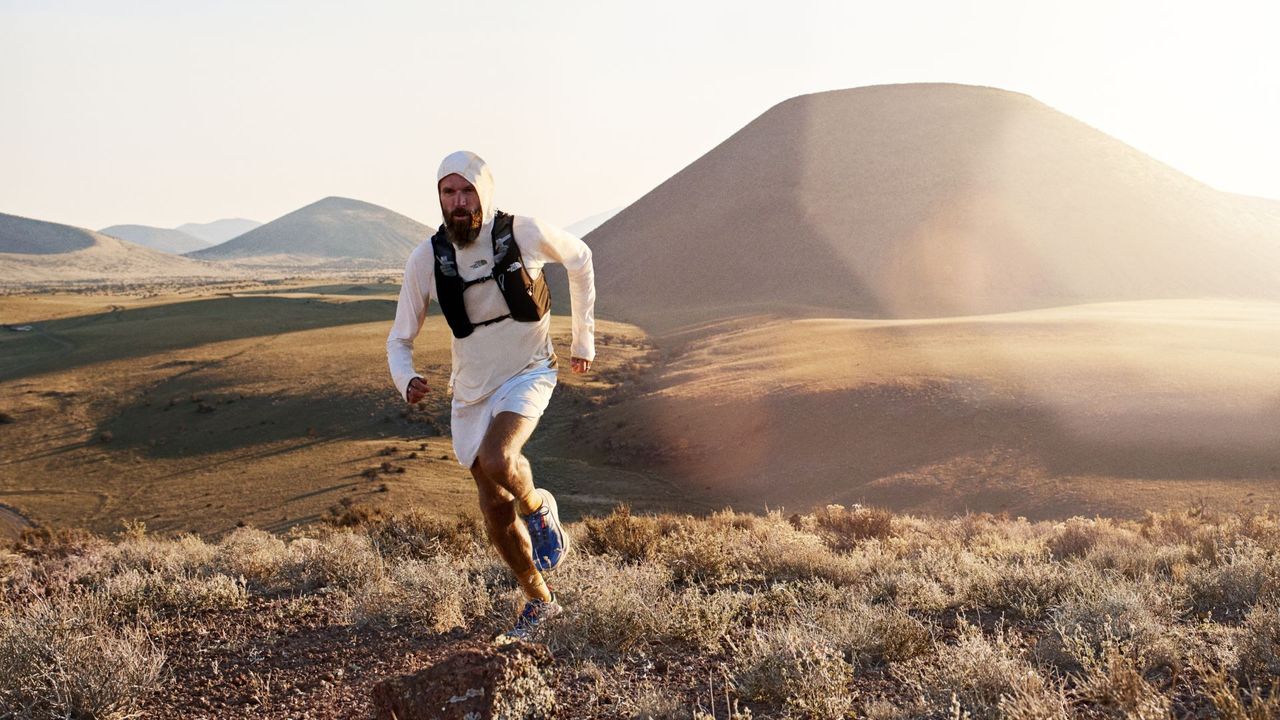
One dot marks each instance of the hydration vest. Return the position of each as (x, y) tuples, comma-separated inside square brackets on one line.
[(527, 299)]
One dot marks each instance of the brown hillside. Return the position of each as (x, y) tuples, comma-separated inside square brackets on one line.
[(35, 251), (926, 200)]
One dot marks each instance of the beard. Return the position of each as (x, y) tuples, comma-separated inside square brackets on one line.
[(463, 228)]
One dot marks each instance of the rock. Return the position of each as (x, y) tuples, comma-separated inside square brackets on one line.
[(475, 683)]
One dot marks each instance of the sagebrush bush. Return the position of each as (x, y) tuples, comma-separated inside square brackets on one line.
[(1023, 589), (1259, 643), (342, 559), (1112, 676), (1241, 576), (985, 678), (873, 634), (615, 609), (64, 658), (253, 554), (439, 594), (843, 529), (793, 666), (1108, 611), (134, 591), (417, 534), (630, 538)]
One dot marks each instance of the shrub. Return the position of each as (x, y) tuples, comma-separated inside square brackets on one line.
[(416, 534), (614, 609), (984, 678), (1112, 676), (630, 538), (343, 559), (1259, 644), (843, 528), (438, 594), (1107, 610), (1243, 575), (255, 555), (875, 634), (61, 659), (1026, 589), (135, 591), (793, 668)]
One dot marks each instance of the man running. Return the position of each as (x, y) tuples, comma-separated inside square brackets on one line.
[(484, 268)]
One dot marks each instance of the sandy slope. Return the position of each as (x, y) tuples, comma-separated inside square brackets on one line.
[(1107, 408)]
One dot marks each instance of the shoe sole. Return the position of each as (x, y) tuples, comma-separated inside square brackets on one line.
[(550, 500)]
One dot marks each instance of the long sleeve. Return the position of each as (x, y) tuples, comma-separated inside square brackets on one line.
[(568, 250), (411, 311)]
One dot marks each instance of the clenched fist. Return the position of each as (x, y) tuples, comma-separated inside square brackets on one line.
[(416, 391)]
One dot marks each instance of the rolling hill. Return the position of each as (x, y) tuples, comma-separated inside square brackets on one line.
[(334, 230), (35, 251), (166, 240), (921, 201)]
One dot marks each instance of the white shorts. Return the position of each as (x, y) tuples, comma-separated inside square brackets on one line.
[(525, 394)]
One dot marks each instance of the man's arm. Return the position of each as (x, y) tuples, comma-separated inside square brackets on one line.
[(559, 246), (411, 312)]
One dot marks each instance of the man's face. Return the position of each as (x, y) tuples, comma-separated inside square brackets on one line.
[(460, 207)]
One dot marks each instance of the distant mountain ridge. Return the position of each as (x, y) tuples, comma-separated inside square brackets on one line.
[(219, 231), (327, 230), (925, 200), (166, 240)]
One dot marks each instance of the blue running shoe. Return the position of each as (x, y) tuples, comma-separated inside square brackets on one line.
[(535, 613), (550, 541)]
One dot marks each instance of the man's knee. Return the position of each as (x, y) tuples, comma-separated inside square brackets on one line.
[(498, 461)]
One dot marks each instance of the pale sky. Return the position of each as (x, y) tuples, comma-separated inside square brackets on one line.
[(164, 112)]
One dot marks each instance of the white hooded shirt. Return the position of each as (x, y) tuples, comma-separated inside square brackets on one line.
[(492, 354)]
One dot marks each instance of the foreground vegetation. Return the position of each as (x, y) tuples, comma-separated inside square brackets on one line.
[(840, 613)]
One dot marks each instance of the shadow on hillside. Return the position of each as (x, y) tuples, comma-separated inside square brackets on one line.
[(354, 290), (186, 419), (942, 446), (124, 334)]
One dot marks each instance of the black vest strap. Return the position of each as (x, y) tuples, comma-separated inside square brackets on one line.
[(528, 300)]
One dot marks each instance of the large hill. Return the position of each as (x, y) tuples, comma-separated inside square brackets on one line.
[(328, 230), (35, 251), (926, 200), (163, 239), (219, 231)]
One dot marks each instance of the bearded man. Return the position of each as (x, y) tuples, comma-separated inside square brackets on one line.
[(484, 268)]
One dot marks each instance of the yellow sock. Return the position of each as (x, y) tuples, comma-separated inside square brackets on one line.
[(530, 503)]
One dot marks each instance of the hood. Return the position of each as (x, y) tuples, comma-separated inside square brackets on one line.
[(476, 171)]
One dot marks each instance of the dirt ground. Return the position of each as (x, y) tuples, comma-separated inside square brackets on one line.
[(199, 409)]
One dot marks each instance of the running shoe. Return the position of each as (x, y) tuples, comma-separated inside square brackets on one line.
[(550, 541), (535, 613)]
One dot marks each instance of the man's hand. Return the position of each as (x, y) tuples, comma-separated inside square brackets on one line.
[(417, 390), (578, 365)]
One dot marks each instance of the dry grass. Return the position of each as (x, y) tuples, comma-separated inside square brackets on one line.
[(839, 613)]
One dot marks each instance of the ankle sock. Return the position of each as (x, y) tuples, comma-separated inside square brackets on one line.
[(531, 503)]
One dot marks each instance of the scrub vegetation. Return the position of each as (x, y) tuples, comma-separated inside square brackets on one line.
[(843, 612)]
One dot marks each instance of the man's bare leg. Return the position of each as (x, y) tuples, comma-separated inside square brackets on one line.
[(504, 481)]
